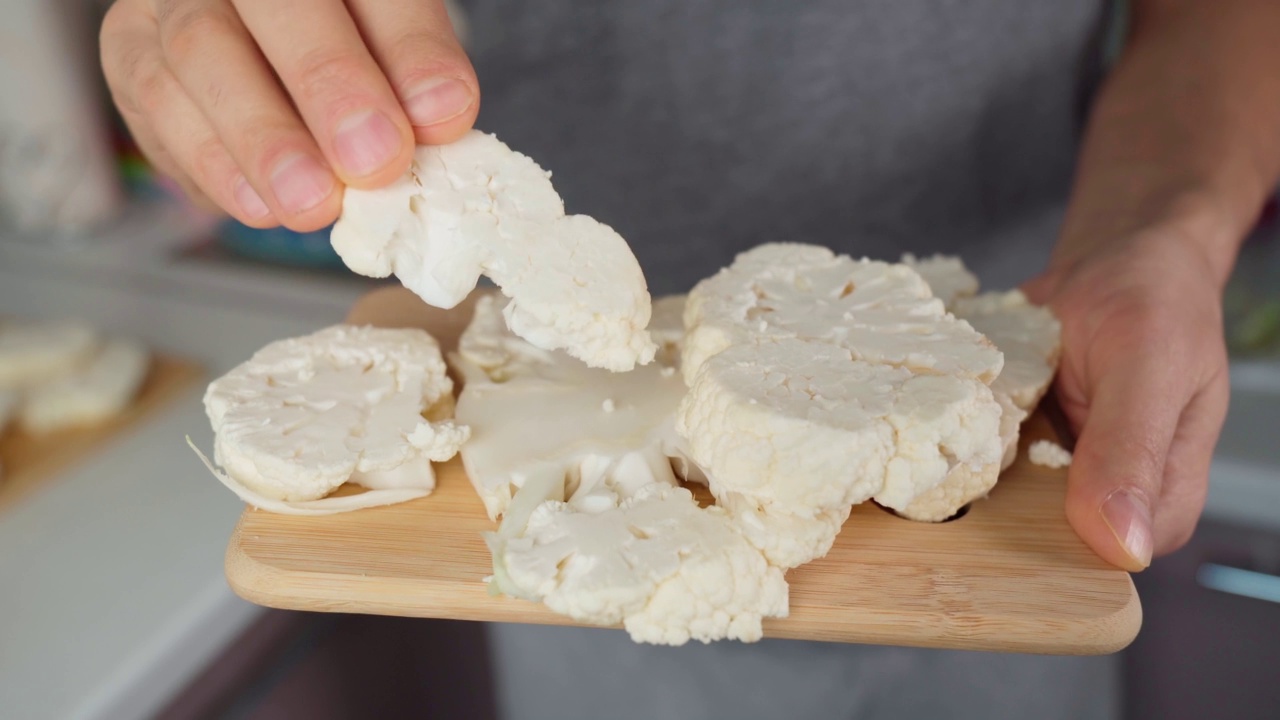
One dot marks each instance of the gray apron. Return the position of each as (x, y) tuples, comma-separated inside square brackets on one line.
[(699, 128)]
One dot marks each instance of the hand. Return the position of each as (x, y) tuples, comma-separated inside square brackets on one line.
[(1143, 382), (267, 108)]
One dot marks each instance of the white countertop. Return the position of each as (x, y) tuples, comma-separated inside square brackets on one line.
[(112, 593)]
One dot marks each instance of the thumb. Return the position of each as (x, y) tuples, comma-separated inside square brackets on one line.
[(1115, 476)]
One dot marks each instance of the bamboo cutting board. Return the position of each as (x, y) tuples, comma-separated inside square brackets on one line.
[(1009, 575), (28, 462)]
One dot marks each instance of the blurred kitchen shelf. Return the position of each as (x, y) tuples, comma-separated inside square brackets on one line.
[(160, 250), (1256, 375)]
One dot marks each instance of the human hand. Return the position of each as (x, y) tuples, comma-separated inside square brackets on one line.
[(1143, 382), (266, 108)]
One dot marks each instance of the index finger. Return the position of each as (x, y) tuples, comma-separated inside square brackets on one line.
[(415, 44), (341, 93)]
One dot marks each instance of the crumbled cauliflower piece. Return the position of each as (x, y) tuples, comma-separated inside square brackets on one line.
[(477, 207), (1047, 453)]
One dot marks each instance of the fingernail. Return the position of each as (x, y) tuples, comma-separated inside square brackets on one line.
[(437, 100), (1129, 519), (365, 142), (300, 182), (249, 201)]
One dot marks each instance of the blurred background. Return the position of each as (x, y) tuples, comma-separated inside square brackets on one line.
[(112, 598)]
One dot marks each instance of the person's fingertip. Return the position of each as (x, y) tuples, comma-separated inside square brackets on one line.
[(437, 100), (1128, 517), (300, 183), (366, 142), (251, 204)]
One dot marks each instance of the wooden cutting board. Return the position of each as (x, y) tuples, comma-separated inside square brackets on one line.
[(1009, 575), (29, 462)]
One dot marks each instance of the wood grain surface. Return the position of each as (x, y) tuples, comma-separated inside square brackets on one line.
[(29, 462), (1008, 575)]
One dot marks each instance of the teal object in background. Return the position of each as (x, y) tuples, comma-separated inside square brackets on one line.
[(280, 246)]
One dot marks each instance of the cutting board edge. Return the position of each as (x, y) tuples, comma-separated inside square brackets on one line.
[(266, 585)]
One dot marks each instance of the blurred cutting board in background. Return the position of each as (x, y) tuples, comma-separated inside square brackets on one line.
[(1009, 575), (29, 462)]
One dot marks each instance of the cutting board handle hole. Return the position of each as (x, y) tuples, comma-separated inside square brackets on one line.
[(959, 513)]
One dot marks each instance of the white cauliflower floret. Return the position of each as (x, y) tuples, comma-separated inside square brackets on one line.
[(882, 313), (946, 275), (476, 207), (1047, 453), (666, 569), (345, 404)]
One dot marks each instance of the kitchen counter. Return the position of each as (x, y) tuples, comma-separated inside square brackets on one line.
[(112, 595), (111, 589)]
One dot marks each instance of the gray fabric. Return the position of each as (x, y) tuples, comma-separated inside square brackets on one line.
[(699, 128), (550, 673)]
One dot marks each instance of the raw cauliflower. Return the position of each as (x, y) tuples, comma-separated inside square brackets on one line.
[(595, 427), (666, 569), (817, 381), (346, 404), (1047, 453), (477, 207), (1029, 337)]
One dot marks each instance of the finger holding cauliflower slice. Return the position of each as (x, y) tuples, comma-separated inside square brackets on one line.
[(477, 207)]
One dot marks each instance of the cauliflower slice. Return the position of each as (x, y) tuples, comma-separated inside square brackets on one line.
[(1030, 338), (476, 207), (800, 427), (818, 382), (608, 433), (946, 275), (666, 569), (345, 404), (38, 352), (882, 313), (95, 392)]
